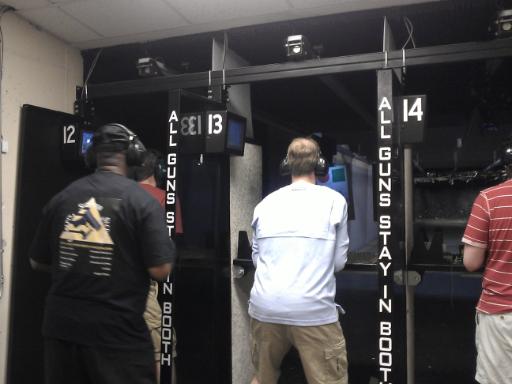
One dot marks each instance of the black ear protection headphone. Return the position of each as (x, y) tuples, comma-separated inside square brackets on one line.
[(112, 134), (506, 152), (160, 169), (321, 167)]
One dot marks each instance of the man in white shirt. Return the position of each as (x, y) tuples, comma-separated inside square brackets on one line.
[(299, 241)]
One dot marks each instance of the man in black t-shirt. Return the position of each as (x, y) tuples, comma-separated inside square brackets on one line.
[(102, 238)]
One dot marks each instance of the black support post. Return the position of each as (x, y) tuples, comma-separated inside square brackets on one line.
[(166, 360), (391, 352)]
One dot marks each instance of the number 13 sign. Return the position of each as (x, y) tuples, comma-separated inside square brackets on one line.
[(215, 131)]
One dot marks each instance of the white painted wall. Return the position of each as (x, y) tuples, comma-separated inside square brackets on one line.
[(41, 70)]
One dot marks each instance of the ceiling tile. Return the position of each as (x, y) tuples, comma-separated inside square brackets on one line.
[(58, 23), (25, 4), (125, 17), (206, 11)]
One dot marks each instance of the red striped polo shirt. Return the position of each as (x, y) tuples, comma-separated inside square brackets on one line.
[(490, 226)]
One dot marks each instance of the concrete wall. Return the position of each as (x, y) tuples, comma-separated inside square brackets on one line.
[(41, 70), (245, 193)]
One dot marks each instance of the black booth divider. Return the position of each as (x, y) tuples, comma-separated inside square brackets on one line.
[(41, 174)]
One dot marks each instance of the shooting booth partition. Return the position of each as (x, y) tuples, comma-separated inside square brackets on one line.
[(45, 167), (201, 287)]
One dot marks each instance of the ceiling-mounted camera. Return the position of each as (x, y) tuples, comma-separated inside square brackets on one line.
[(152, 67), (297, 47), (502, 26)]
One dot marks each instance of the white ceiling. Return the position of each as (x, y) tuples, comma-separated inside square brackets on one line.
[(97, 23)]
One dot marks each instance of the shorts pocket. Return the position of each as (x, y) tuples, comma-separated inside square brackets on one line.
[(336, 364), (255, 355)]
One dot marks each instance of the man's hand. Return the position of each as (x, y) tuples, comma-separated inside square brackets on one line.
[(160, 272), (40, 266), (474, 257)]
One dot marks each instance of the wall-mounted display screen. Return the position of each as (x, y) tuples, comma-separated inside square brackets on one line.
[(338, 180), (236, 135), (85, 141)]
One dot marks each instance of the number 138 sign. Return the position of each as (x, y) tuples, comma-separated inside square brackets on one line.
[(411, 117)]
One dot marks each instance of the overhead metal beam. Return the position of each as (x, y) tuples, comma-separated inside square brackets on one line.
[(450, 53), (349, 99)]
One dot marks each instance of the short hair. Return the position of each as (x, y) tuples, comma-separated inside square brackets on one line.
[(303, 155), (149, 162)]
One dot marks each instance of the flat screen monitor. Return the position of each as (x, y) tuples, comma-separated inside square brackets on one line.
[(338, 180), (85, 141), (235, 140)]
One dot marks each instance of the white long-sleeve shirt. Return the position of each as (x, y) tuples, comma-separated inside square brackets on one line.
[(299, 240)]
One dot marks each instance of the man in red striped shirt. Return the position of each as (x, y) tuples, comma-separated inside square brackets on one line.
[(488, 242)]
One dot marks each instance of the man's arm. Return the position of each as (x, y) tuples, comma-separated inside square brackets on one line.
[(476, 234), (342, 241), (40, 266), (255, 248), (39, 252), (474, 257)]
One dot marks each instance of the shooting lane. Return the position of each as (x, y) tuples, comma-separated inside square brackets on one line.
[(218, 184), (467, 120), (283, 110)]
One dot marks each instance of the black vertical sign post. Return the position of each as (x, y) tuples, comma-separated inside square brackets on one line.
[(389, 224), (166, 360)]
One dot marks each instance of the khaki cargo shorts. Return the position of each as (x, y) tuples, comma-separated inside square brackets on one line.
[(493, 339), (321, 348)]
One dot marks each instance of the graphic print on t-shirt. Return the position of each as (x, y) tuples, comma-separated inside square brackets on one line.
[(85, 245)]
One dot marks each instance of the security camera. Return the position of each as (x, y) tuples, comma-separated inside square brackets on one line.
[(297, 47), (152, 67)]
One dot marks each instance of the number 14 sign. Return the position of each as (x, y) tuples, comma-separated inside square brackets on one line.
[(412, 113)]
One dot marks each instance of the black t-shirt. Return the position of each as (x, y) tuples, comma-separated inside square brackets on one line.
[(100, 235)]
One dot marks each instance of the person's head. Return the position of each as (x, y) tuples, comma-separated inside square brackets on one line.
[(302, 156), (115, 147), (150, 161)]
